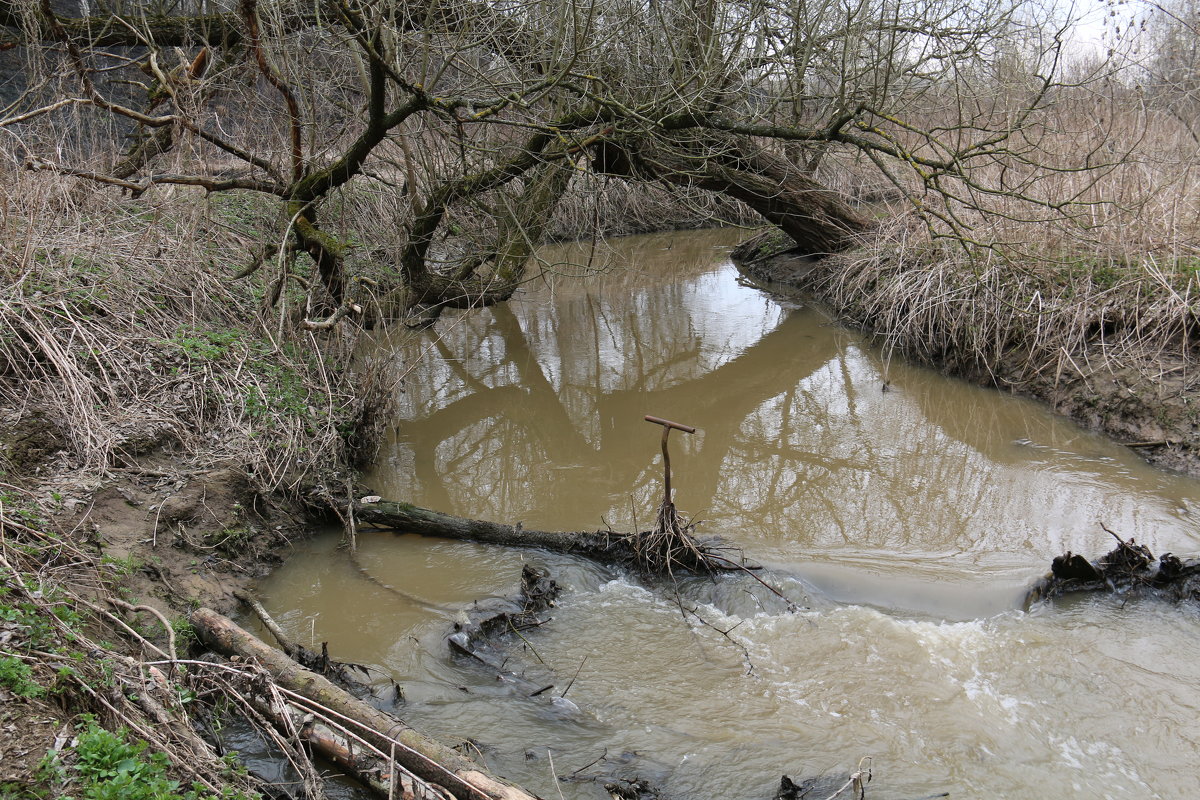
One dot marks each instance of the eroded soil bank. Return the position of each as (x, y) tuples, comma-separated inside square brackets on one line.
[(1084, 344)]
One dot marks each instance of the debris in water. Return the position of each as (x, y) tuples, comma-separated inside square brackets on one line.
[(1129, 568), (670, 542)]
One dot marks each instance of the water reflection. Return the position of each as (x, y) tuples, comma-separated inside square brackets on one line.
[(532, 411), (905, 523)]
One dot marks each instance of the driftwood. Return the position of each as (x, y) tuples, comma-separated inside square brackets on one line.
[(496, 617), (428, 760), (608, 547), (321, 663), (623, 776), (1129, 568)]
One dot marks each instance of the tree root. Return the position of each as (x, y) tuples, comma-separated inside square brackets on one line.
[(1129, 568), (670, 544)]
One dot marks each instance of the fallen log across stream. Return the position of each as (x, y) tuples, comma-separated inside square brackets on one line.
[(640, 550), (377, 737)]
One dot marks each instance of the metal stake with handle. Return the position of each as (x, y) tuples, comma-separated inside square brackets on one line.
[(668, 426)]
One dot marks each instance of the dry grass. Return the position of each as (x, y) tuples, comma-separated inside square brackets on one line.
[(123, 333), (1037, 293), (124, 344), (976, 313)]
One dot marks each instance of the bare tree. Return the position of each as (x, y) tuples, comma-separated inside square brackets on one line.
[(1172, 32), (479, 111)]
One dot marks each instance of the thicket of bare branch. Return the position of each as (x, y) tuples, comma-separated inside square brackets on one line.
[(374, 130)]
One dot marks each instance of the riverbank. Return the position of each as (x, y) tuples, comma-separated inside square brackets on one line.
[(169, 427), (1111, 344), (165, 435)]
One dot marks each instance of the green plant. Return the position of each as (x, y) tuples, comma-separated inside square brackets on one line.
[(50, 771), (111, 767), (18, 677), (17, 791), (25, 614), (205, 345), (185, 632), (21, 509), (283, 390), (64, 677), (231, 540), (121, 566), (67, 614)]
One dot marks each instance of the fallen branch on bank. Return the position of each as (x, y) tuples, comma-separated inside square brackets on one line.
[(349, 731), (627, 549), (1127, 568)]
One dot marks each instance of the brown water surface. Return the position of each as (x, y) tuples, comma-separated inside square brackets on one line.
[(905, 523)]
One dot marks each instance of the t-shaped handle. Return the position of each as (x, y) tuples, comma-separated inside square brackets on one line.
[(666, 423), (668, 426)]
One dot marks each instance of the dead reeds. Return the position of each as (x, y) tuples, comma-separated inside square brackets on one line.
[(124, 337), (1085, 270)]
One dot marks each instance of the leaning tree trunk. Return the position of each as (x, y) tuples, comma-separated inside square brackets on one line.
[(522, 221), (818, 219)]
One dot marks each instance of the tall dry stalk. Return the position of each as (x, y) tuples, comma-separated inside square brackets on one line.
[(124, 338)]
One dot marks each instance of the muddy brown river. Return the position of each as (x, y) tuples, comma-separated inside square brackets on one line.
[(905, 525)]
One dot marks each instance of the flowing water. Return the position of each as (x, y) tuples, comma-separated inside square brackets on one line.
[(904, 523)]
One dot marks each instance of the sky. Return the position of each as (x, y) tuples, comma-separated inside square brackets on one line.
[(1099, 18)]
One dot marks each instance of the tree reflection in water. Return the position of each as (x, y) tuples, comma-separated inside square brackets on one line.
[(533, 411)]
